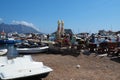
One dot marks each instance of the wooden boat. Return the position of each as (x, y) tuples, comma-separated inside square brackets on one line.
[(33, 49), (3, 51), (21, 67)]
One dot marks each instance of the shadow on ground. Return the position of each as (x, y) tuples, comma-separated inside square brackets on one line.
[(29, 78), (116, 59), (64, 52)]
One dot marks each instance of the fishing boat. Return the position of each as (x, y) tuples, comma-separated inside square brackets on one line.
[(22, 67), (33, 49), (3, 51)]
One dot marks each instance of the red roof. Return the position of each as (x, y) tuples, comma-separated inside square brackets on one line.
[(3, 33)]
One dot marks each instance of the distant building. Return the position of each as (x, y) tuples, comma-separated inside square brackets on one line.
[(118, 32), (61, 31), (106, 33), (68, 31), (83, 35), (3, 35), (102, 32)]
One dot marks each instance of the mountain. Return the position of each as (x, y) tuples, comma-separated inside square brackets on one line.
[(17, 28)]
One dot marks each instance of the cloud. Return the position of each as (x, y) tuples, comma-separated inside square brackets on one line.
[(25, 23), (1, 20)]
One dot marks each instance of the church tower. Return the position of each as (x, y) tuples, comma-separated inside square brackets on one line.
[(62, 28), (58, 35)]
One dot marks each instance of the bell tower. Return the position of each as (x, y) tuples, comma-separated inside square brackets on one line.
[(62, 28), (58, 36)]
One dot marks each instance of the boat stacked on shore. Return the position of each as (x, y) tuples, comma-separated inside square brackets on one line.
[(31, 47)]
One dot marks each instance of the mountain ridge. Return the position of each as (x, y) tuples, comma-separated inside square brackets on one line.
[(19, 28)]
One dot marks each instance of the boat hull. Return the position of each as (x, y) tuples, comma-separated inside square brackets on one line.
[(22, 67), (38, 76), (34, 77), (9, 41), (3, 51), (32, 50)]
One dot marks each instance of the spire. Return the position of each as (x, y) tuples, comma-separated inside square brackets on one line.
[(3, 31), (58, 22), (58, 30), (62, 23), (62, 27)]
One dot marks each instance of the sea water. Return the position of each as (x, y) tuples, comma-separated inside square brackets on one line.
[(12, 52)]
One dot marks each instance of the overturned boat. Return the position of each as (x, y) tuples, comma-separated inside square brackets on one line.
[(22, 67), (3, 51)]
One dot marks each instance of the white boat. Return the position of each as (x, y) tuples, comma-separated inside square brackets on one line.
[(3, 51), (32, 50), (22, 67)]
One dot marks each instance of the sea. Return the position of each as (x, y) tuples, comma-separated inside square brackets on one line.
[(12, 52)]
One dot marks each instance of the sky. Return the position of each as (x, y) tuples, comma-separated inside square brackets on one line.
[(78, 15)]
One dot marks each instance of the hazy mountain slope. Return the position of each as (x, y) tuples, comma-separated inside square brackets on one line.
[(17, 28)]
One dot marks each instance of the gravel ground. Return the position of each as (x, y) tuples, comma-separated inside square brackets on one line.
[(80, 67)]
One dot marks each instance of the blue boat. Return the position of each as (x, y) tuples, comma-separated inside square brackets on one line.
[(2, 41), (9, 41)]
